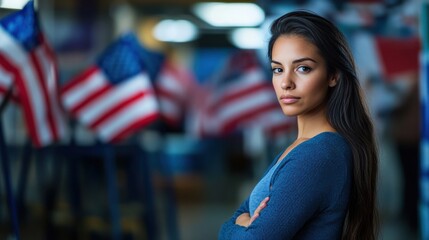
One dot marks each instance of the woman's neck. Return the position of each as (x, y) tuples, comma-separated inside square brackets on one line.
[(310, 126)]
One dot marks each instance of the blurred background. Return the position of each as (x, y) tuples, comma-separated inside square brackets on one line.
[(173, 154)]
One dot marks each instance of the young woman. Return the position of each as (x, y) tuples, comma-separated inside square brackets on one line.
[(323, 186)]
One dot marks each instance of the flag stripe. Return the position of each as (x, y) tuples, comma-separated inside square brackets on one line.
[(120, 122), (79, 81), (75, 94), (85, 101), (44, 92), (138, 123), (117, 107)]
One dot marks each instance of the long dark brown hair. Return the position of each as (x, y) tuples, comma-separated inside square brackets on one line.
[(347, 113)]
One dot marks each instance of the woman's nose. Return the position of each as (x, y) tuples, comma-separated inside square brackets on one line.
[(287, 83)]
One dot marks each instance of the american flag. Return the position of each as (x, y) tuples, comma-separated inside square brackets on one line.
[(114, 97), (174, 88), (243, 97), (27, 64)]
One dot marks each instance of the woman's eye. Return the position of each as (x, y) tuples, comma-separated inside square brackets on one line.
[(277, 70), (304, 69)]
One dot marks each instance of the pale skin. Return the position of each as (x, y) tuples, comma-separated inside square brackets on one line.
[(301, 82)]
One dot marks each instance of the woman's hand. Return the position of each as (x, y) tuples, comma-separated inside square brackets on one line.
[(245, 220)]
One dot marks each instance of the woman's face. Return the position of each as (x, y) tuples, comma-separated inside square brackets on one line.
[(300, 76)]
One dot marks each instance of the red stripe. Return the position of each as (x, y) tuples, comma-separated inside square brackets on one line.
[(28, 111), (85, 76), (42, 83), (139, 123), (75, 109), (239, 94), (114, 109), (233, 123)]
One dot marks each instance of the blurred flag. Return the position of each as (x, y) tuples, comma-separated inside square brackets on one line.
[(28, 64), (243, 96), (386, 56), (398, 55), (174, 87), (114, 97)]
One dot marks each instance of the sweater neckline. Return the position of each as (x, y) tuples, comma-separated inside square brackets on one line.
[(278, 160)]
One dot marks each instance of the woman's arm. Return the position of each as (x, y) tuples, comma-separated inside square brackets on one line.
[(245, 220), (298, 190)]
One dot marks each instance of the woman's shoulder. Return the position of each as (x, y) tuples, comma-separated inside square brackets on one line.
[(326, 145)]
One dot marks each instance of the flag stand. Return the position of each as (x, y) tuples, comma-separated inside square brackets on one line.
[(110, 169), (6, 171)]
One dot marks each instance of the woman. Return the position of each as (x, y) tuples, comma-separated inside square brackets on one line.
[(323, 186)]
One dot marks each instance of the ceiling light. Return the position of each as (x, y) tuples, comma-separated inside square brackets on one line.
[(230, 14), (13, 4), (247, 38), (169, 30)]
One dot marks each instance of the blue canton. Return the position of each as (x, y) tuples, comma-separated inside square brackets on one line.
[(152, 60), (23, 26), (120, 61)]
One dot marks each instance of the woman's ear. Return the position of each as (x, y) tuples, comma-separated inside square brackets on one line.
[(333, 80)]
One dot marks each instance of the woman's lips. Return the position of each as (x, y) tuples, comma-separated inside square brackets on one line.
[(288, 99)]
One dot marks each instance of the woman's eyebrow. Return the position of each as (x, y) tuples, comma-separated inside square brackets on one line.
[(303, 60), (296, 60)]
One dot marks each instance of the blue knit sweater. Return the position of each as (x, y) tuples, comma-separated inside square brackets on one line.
[(309, 194)]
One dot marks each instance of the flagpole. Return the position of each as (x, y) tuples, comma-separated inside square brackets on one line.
[(6, 170), (424, 146)]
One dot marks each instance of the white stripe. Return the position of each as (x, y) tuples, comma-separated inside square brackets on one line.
[(117, 94), (5, 78), (147, 105), (85, 88), (20, 59)]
